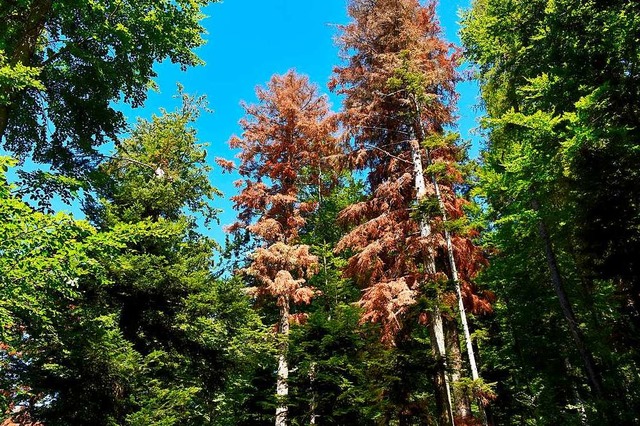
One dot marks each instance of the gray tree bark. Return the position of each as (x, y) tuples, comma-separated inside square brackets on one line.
[(282, 384), (436, 327), (461, 401), (591, 370)]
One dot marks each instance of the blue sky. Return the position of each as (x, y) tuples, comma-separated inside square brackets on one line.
[(249, 41)]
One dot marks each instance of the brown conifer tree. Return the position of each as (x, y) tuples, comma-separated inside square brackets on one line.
[(285, 138), (399, 86)]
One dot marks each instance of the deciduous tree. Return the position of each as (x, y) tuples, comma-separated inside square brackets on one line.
[(64, 64), (559, 83)]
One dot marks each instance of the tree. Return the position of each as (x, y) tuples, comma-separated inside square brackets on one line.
[(399, 84), (558, 92), (186, 325), (63, 65), (285, 139), (46, 262), (42, 259), (342, 369), (156, 338)]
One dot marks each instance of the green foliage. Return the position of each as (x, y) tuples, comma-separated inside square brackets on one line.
[(476, 389), (157, 172), (436, 141), (343, 370), (558, 84), (124, 322), (122, 319), (428, 207), (44, 262), (322, 233), (193, 330), (65, 65), (411, 81), (42, 257), (15, 78)]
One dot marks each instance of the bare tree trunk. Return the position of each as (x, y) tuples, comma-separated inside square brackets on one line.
[(456, 282), (282, 384), (444, 399), (452, 263), (460, 399), (314, 404), (443, 386), (577, 335), (420, 133)]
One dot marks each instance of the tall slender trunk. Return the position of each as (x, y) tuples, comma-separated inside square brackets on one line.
[(452, 261), (444, 399), (282, 384), (314, 403), (443, 386), (556, 279), (460, 399), (456, 282), (420, 133)]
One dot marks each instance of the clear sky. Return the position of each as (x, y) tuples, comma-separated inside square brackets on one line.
[(250, 40)]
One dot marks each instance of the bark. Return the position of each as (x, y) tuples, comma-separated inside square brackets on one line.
[(314, 404), (443, 387), (4, 120), (556, 279), (462, 405), (282, 384), (454, 277), (452, 262), (456, 282), (419, 130)]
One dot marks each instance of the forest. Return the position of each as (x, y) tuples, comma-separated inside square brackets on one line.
[(376, 272)]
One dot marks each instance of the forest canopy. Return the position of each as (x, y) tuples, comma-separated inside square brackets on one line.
[(376, 272)]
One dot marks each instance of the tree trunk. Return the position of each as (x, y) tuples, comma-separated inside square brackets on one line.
[(452, 263), (21, 48), (420, 132), (556, 279), (461, 400), (456, 282), (4, 120), (314, 403), (282, 384), (443, 388)]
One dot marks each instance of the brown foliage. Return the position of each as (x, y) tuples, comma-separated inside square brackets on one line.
[(286, 138), (20, 417), (399, 85), (226, 165), (282, 270)]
